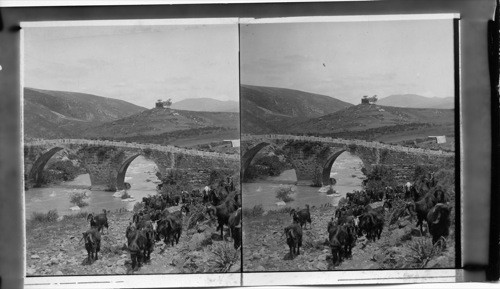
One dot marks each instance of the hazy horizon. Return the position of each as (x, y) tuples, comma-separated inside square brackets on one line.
[(347, 60), (135, 63)]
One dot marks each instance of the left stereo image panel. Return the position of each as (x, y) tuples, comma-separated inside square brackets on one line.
[(131, 147)]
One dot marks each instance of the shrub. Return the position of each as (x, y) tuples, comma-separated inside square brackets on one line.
[(224, 256), (79, 215), (256, 211), (379, 178), (284, 210), (423, 251), (283, 193), (125, 195), (49, 217), (138, 207), (331, 191), (77, 198)]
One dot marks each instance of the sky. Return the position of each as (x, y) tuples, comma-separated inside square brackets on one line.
[(347, 60), (137, 63)]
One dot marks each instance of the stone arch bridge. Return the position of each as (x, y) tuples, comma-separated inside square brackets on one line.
[(313, 157), (107, 161)]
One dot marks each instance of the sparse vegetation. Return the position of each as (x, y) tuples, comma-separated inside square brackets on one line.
[(225, 256), (49, 217), (379, 178), (78, 199), (283, 193), (423, 251), (125, 195), (256, 211)]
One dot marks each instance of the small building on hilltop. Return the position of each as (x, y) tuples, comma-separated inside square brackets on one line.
[(369, 100), (163, 104)]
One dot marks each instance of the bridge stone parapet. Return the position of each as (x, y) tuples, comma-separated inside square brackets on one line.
[(107, 161), (311, 155)]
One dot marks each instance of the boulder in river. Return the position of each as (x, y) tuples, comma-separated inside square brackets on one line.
[(75, 208), (280, 204), (119, 194)]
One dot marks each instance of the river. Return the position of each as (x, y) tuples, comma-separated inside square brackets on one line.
[(346, 170), (140, 175)]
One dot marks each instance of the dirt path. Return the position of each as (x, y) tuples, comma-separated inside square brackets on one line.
[(55, 249)]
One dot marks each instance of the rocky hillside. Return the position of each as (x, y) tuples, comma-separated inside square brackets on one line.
[(363, 117), (270, 109), (159, 121), (59, 114), (417, 101), (266, 250), (55, 249)]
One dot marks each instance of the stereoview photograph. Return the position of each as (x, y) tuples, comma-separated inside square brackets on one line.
[(348, 145), (131, 148)]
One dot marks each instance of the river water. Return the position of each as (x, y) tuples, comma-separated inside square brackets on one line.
[(346, 170), (140, 175)]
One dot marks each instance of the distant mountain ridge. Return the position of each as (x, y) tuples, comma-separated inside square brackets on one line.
[(59, 114), (270, 109), (417, 101), (206, 104)]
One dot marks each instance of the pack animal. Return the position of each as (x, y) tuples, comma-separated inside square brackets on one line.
[(92, 239), (293, 235), (99, 221), (438, 220)]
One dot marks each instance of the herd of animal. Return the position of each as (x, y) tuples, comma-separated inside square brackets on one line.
[(356, 217), (160, 218)]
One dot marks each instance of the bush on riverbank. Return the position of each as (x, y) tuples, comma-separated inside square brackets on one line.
[(78, 199), (283, 193), (379, 178)]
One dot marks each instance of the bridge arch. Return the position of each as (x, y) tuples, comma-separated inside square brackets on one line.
[(327, 166), (120, 179), (249, 156), (36, 171)]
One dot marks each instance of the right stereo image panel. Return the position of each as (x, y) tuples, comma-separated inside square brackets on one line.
[(349, 138)]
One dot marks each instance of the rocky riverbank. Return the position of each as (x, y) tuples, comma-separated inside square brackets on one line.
[(55, 248), (400, 246)]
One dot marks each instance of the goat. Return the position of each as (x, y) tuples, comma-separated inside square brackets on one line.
[(338, 239), (438, 220), (222, 212), (149, 233), (92, 239), (302, 217), (235, 227), (294, 239), (136, 242), (372, 223), (99, 221), (170, 227), (423, 206)]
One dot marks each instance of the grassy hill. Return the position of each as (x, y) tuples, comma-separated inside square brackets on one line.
[(163, 126), (270, 109), (381, 123), (59, 114)]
